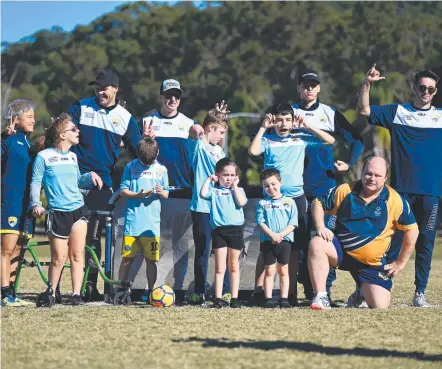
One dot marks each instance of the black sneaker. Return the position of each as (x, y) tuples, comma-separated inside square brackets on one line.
[(77, 300), (235, 303), (293, 300), (269, 304), (284, 304), (58, 298), (92, 293), (219, 303), (257, 299)]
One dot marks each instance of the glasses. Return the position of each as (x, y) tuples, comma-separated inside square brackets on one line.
[(423, 88), (169, 96), (73, 129)]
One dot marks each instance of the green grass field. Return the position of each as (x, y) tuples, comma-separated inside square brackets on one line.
[(194, 337)]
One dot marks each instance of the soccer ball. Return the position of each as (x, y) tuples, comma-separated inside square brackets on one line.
[(162, 296)]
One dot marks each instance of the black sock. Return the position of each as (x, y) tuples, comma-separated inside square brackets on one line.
[(11, 288), (5, 292)]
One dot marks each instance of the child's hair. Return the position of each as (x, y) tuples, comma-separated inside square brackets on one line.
[(283, 109), (215, 117), (270, 172), (53, 132), (225, 162), (18, 107), (147, 150)]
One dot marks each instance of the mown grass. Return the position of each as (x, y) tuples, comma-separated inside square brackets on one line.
[(190, 337)]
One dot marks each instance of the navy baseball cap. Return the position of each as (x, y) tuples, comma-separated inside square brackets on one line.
[(106, 77), (308, 75)]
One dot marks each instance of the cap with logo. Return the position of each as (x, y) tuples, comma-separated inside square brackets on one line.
[(106, 77), (308, 75), (169, 85)]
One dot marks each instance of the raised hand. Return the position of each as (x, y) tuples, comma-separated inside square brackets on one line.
[(373, 75), (341, 166), (269, 121), (300, 122), (10, 129), (214, 178), (222, 107), (236, 181), (148, 131)]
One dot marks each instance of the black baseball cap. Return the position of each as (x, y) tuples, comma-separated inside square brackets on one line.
[(106, 77), (308, 75)]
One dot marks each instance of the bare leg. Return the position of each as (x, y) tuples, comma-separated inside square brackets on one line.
[(59, 252), (123, 272), (259, 273), (234, 256), (284, 280), (321, 256), (9, 246), (77, 240), (293, 273), (220, 270), (377, 297), (268, 280), (151, 273)]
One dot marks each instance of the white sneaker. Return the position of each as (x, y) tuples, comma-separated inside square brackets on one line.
[(419, 300), (320, 303), (356, 300)]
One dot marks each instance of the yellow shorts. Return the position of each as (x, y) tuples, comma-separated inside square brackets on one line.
[(149, 245)]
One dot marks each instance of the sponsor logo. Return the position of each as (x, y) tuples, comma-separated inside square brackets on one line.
[(432, 220), (89, 115), (331, 224), (378, 211), (309, 115), (408, 117), (383, 276), (422, 114), (64, 159), (54, 159), (12, 221), (168, 123), (20, 143)]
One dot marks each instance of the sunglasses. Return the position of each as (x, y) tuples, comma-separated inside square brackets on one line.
[(423, 88), (73, 129), (169, 96)]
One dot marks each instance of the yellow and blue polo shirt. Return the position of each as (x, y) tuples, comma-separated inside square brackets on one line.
[(365, 229)]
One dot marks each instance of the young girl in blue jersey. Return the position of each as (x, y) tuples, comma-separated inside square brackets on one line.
[(16, 167), (66, 224), (226, 220)]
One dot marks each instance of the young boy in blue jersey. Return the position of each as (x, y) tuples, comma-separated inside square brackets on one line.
[(277, 217), (144, 183), (57, 168), (284, 149), (205, 151), (227, 220), (16, 178)]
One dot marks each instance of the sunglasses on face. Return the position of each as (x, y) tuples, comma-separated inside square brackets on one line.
[(73, 129), (423, 88), (169, 96)]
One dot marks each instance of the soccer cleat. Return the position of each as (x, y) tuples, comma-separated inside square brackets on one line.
[(270, 304), (419, 300), (22, 302), (10, 302), (356, 300), (227, 297), (77, 300), (284, 304), (235, 303), (196, 299), (219, 303), (320, 303)]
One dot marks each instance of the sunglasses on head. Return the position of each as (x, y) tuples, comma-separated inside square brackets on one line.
[(423, 88)]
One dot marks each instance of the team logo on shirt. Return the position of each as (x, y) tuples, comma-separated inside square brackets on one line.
[(127, 248), (12, 221), (378, 211), (53, 159), (435, 117), (181, 126), (287, 204), (159, 172), (323, 119), (116, 121)]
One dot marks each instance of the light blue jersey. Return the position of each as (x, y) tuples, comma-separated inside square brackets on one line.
[(143, 215), (277, 215), (204, 157), (287, 154), (224, 211), (61, 178)]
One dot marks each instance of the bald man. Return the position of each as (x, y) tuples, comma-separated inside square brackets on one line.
[(368, 212)]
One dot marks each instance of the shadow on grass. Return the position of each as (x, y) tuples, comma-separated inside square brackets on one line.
[(310, 347)]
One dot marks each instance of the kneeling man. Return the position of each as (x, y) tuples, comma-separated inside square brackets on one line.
[(368, 212)]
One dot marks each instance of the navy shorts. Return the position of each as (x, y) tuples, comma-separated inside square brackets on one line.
[(16, 223), (360, 272)]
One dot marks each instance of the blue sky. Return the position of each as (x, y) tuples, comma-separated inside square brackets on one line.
[(23, 18)]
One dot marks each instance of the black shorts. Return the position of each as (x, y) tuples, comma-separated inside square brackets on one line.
[(228, 236), (59, 223), (276, 253)]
